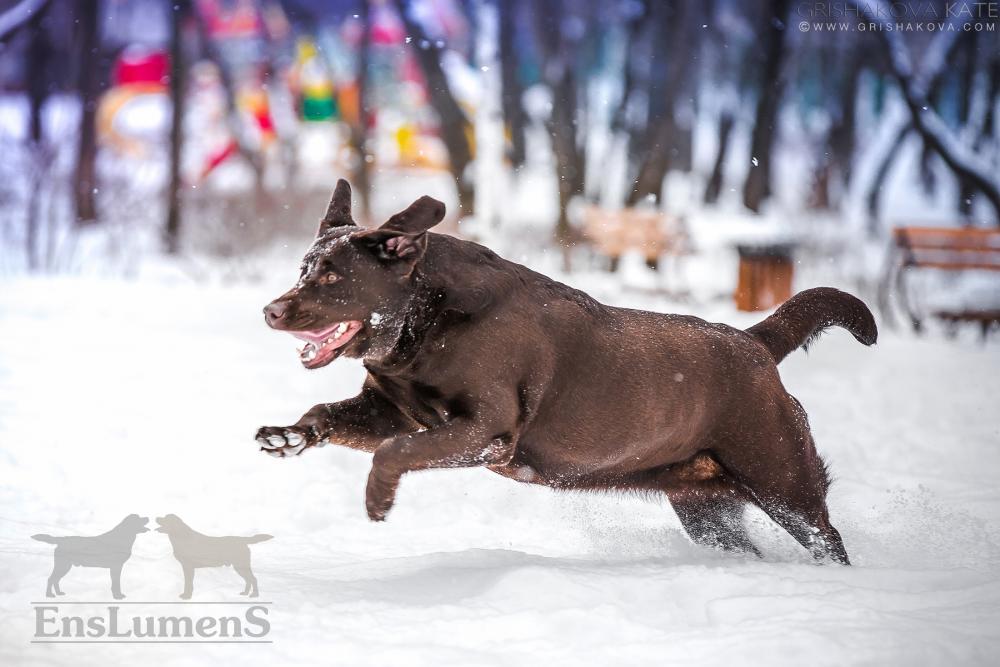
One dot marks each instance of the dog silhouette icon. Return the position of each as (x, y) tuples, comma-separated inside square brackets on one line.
[(194, 550), (111, 550)]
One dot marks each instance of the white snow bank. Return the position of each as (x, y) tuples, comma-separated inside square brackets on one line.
[(144, 397)]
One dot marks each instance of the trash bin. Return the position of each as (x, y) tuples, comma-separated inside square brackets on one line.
[(765, 276)]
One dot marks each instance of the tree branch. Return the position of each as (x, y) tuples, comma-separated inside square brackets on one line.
[(914, 87), (18, 15)]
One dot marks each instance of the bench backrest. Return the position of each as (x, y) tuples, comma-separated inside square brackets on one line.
[(949, 248), (651, 232)]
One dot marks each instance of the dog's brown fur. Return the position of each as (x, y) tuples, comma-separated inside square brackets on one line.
[(477, 361)]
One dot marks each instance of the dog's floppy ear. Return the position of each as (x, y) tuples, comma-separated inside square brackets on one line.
[(403, 236), (338, 213), (394, 247), (418, 217)]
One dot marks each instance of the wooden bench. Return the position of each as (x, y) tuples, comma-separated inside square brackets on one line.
[(651, 233), (943, 248)]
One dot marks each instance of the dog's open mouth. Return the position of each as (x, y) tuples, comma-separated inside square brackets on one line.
[(322, 345)]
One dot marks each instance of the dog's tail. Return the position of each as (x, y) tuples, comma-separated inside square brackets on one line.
[(41, 537), (259, 538), (801, 319)]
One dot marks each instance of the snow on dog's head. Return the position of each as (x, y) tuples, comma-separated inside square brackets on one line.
[(356, 284)]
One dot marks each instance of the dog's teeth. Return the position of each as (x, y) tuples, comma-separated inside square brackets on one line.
[(342, 328), (308, 353)]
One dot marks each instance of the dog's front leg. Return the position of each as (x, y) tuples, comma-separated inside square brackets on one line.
[(362, 422), (460, 443), (116, 581)]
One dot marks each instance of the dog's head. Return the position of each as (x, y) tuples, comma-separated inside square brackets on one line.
[(170, 523), (356, 284), (134, 523)]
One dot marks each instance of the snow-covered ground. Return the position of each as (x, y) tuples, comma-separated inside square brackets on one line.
[(144, 395)]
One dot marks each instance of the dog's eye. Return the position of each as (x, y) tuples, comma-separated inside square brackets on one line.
[(328, 278)]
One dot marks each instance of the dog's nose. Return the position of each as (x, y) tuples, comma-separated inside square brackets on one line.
[(275, 312)]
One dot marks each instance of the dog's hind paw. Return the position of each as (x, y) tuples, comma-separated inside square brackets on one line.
[(282, 441)]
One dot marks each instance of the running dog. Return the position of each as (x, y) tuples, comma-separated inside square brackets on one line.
[(474, 360), (110, 550)]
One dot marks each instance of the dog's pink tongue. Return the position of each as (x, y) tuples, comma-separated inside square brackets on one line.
[(314, 341), (323, 342), (319, 335)]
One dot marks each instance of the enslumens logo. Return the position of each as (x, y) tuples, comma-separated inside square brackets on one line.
[(151, 621)]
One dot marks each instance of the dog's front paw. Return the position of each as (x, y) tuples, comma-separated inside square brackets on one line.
[(379, 496), (282, 441)]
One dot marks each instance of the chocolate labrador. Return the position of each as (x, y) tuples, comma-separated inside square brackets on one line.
[(473, 360)]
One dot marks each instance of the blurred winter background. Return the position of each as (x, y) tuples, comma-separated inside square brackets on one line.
[(163, 165)]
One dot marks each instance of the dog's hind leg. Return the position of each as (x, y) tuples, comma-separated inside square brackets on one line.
[(59, 569), (250, 580), (713, 517), (116, 581), (709, 504), (785, 476)]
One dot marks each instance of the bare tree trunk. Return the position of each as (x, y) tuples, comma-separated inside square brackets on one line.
[(649, 149), (834, 162), (665, 145), (569, 163), (842, 134), (875, 189), (714, 186), (37, 62), (85, 179), (633, 28), (983, 130), (178, 80), (758, 184), (515, 118), (558, 51), (359, 133), (455, 126)]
